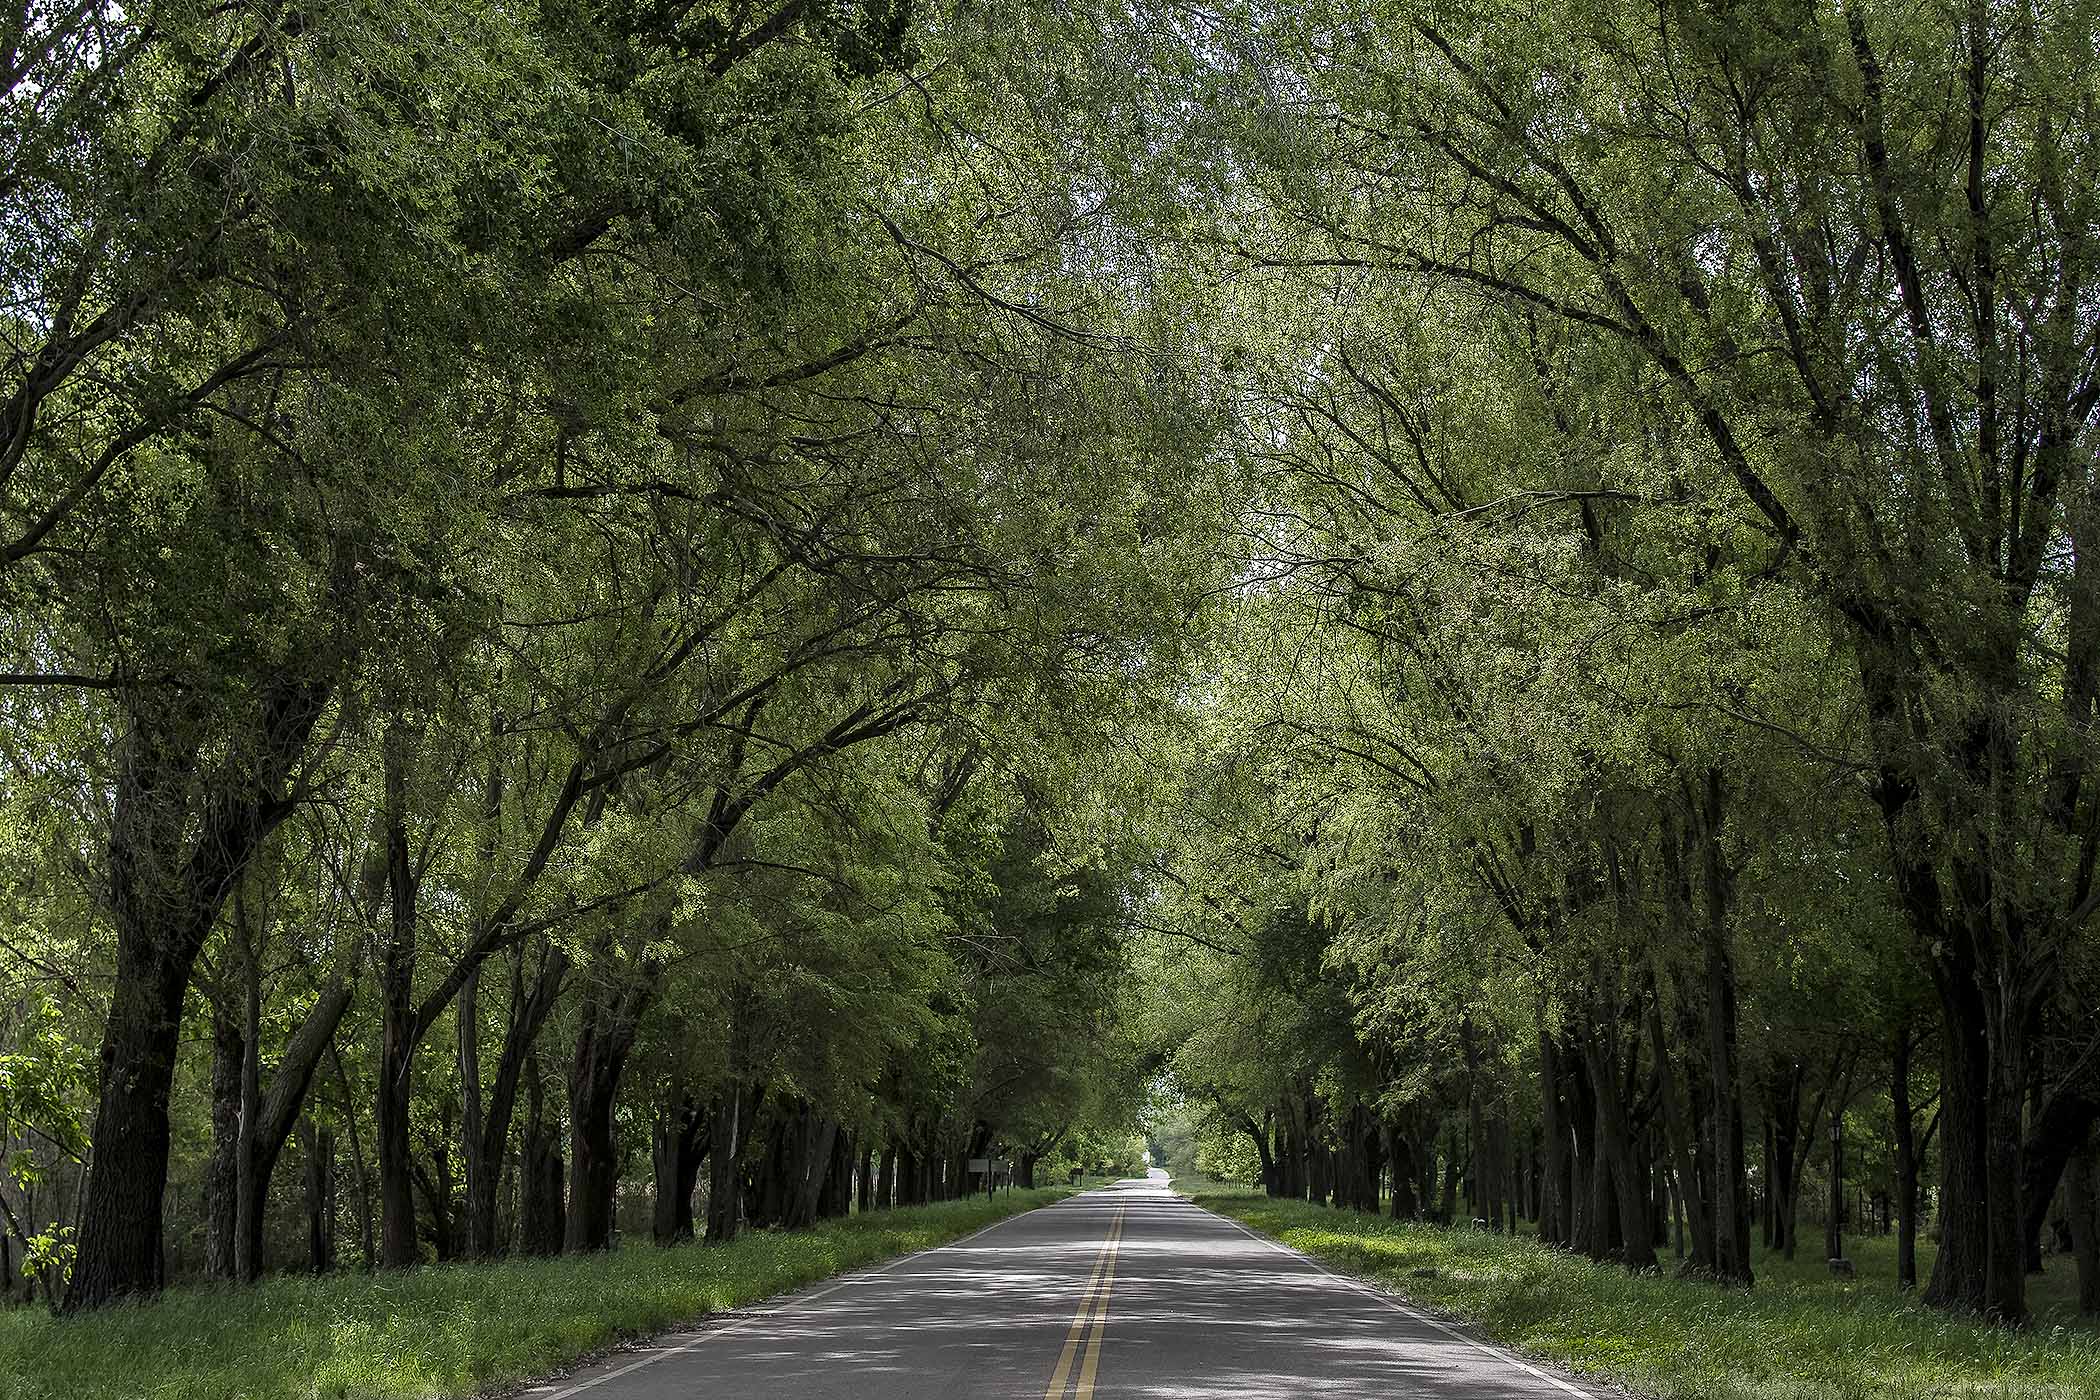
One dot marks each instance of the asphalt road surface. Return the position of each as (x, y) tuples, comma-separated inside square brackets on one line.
[(1116, 1294)]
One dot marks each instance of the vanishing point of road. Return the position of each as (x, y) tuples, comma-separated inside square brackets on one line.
[(1115, 1294)]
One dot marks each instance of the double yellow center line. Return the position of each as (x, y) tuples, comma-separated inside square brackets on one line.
[(1088, 1324)]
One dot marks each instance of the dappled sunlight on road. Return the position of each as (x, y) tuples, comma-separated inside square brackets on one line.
[(1190, 1306)]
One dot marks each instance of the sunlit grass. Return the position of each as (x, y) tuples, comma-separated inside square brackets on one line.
[(1799, 1335), (447, 1330)]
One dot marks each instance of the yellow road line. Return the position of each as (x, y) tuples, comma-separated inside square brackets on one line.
[(1084, 1390), (1097, 1288)]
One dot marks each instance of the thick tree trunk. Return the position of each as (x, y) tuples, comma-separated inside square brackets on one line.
[(732, 1117), (540, 1202), (602, 1045), (120, 1219), (812, 1151), (1617, 1184), (678, 1144), (1960, 1268), (173, 860)]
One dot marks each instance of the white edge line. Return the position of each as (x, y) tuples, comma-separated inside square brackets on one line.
[(1396, 1305), (797, 1298)]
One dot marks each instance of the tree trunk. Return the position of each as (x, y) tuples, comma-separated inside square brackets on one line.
[(1730, 1171), (1906, 1163), (397, 967), (486, 1149), (1958, 1271), (276, 1114), (357, 1163), (1834, 1227), (732, 1117), (2059, 1130), (2082, 1186), (120, 1220), (319, 1145), (249, 1188), (540, 1203), (477, 1167), (1684, 1172), (173, 860), (222, 1171), (1270, 1184), (602, 1045), (886, 1176), (1555, 1224), (1786, 1158), (910, 1182), (677, 1147), (1617, 1184), (1399, 1167)]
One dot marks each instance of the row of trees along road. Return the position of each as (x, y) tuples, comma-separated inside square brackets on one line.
[(671, 574), (560, 571), (1660, 693)]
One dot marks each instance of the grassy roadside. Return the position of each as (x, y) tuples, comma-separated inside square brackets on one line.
[(1794, 1337), (446, 1330)]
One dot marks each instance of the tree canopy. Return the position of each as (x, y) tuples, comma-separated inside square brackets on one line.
[(704, 616)]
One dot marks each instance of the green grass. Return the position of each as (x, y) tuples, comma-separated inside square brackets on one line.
[(446, 1330), (1799, 1335)]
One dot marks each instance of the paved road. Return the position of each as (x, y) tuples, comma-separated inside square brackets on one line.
[(1117, 1294)]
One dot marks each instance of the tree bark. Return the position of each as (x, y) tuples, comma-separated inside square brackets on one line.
[(222, 1171), (1906, 1131), (173, 861), (319, 1144), (276, 1114), (485, 1150), (678, 1146), (886, 1175), (1958, 1270), (732, 1117), (1731, 1179), (1555, 1225), (540, 1203), (1677, 1134), (603, 1042)]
